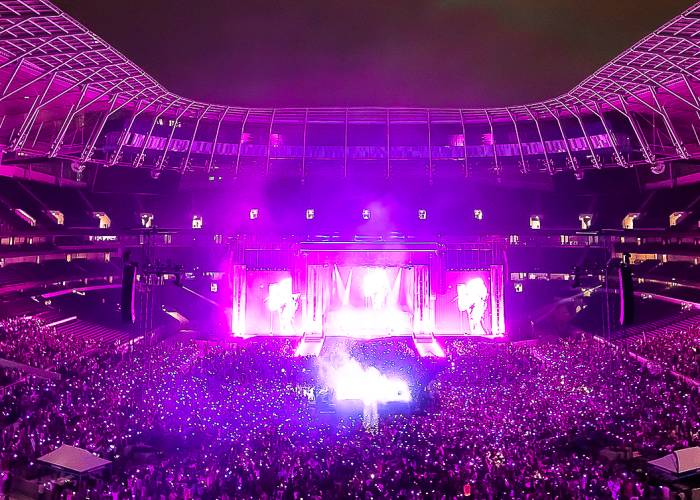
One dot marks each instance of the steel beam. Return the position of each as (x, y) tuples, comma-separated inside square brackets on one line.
[(138, 161), (464, 142), (520, 144), (572, 161), (675, 137), (89, 149), (497, 166), (160, 164), (594, 158), (210, 164), (186, 163), (549, 164), (240, 141), (269, 143), (58, 139), (303, 154), (125, 135)]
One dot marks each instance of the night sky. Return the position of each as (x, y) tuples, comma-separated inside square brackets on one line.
[(371, 52)]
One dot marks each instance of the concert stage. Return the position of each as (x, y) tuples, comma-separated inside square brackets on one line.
[(367, 290)]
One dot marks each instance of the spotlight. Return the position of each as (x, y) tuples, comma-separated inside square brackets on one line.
[(535, 222), (628, 221), (422, 214), (253, 213), (366, 214), (658, 168), (146, 219), (478, 214), (586, 221), (310, 214), (197, 222)]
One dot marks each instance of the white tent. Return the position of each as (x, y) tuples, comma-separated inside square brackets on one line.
[(74, 459), (680, 461)]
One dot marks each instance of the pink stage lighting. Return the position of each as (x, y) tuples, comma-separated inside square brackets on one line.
[(352, 382)]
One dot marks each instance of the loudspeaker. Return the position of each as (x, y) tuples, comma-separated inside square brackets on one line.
[(128, 294), (626, 295)]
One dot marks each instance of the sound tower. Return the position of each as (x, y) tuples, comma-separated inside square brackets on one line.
[(128, 294), (626, 294)]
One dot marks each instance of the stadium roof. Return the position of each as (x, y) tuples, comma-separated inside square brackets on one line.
[(53, 65)]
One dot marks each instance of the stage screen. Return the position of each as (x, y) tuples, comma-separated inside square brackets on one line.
[(368, 301), (272, 306), (465, 307)]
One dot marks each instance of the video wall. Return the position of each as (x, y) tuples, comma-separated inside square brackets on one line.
[(369, 302)]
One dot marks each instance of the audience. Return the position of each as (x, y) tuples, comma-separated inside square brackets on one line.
[(676, 349), (29, 341), (197, 420)]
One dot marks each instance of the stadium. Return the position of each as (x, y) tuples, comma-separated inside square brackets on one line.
[(202, 300)]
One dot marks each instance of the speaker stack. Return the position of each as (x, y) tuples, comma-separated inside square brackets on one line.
[(128, 294), (626, 294)]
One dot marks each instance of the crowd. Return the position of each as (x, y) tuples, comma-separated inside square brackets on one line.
[(197, 420), (28, 340), (674, 348)]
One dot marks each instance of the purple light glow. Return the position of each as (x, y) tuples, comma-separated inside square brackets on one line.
[(351, 381)]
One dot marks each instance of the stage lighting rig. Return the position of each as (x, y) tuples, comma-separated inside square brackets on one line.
[(658, 168)]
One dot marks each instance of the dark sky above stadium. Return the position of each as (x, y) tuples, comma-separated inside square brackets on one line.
[(371, 52)]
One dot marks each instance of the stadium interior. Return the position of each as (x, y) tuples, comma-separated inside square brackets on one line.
[(208, 301)]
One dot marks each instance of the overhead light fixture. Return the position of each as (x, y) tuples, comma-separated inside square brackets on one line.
[(310, 214), (422, 214), (253, 214), (366, 214), (146, 219), (586, 221), (628, 221), (658, 168)]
